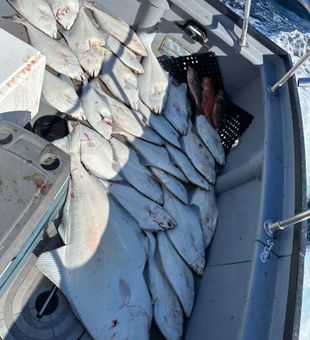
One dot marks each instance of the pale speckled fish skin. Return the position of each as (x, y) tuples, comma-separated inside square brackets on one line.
[(129, 58), (187, 236), (148, 133), (97, 155), (210, 138), (168, 313), (102, 266), (177, 272), (59, 93), (150, 215), (199, 155), (97, 110), (156, 156), (123, 118), (171, 183), (188, 169), (160, 125), (38, 13), (118, 28), (176, 110), (153, 83), (58, 56), (120, 80), (87, 44), (206, 202), (65, 11), (135, 173)]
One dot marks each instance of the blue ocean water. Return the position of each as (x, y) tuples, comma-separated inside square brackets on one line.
[(287, 23)]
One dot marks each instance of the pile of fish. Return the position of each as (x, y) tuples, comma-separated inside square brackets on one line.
[(141, 207)]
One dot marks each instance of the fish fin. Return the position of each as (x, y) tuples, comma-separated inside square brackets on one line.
[(51, 265), (62, 143), (90, 4), (16, 18), (62, 232)]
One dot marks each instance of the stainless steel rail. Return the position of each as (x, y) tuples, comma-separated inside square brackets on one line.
[(272, 228), (245, 25), (304, 82), (274, 89)]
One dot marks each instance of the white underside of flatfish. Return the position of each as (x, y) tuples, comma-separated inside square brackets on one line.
[(150, 215), (59, 93), (87, 44), (101, 267), (97, 110), (157, 156), (168, 313), (38, 13), (199, 155), (187, 235), (148, 133), (153, 83), (58, 56), (176, 109), (97, 155), (178, 273), (129, 58), (206, 202), (160, 125), (186, 166), (171, 183), (110, 281), (65, 11), (123, 118), (120, 80), (211, 139), (135, 173), (118, 28)]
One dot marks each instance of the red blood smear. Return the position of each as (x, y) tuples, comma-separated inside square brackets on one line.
[(208, 99)]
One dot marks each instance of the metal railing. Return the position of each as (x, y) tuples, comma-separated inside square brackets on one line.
[(274, 89), (245, 25), (272, 228), (304, 82)]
